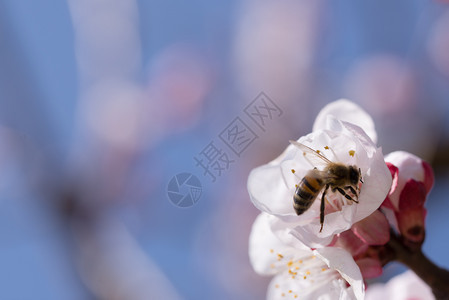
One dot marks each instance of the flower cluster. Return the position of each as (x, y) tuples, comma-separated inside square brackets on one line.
[(335, 235)]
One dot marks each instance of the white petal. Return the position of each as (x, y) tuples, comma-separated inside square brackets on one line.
[(334, 223), (270, 253), (346, 110), (283, 286), (268, 189), (401, 287), (377, 182), (409, 164), (299, 271), (340, 260)]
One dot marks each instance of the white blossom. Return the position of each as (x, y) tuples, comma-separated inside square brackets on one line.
[(299, 272), (405, 286), (272, 186)]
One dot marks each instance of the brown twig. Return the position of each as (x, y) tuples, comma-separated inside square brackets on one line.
[(437, 278)]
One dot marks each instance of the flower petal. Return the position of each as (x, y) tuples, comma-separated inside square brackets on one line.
[(370, 267), (374, 229), (377, 182), (394, 174), (334, 223), (268, 190), (348, 111), (428, 176), (340, 260), (352, 243), (284, 286), (413, 195), (409, 166), (405, 286), (270, 253)]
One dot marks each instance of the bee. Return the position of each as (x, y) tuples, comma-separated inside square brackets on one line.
[(337, 177)]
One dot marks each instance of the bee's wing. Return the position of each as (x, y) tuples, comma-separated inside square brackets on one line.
[(314, 157)]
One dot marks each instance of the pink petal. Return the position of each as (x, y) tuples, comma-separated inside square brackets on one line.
[(352, 243), (410, 167), (412, 224), (413, 195), (374, 229), (388, 204), (394, 174), (428, 176), (369, 267)]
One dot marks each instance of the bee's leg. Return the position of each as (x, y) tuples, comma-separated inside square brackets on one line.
[(341, 191), (322, 207), (353, 191)]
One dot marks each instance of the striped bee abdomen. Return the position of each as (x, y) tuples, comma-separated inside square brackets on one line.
[(307, 190)]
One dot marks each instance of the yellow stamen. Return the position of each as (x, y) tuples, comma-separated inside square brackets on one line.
[(351, 153)]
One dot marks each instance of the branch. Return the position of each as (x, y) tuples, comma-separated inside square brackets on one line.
[(437, 278)]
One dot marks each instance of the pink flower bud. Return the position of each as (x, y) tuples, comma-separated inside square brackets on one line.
[(412, 181)]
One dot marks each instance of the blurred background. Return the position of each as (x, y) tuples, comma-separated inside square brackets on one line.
[(102, 103)]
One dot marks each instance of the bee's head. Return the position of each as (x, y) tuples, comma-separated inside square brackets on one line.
[(355, 175)]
